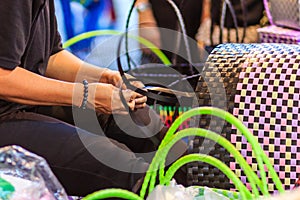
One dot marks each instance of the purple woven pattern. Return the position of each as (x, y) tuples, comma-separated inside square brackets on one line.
[(275, 34), (267, 102)]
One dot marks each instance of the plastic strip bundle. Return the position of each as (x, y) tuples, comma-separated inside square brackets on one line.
[(156, 168)]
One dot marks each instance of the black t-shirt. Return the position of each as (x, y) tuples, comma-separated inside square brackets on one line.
[(28, 37)]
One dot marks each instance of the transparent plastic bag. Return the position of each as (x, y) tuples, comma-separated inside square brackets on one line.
[(171, 192), (209, 194), (179, 192), (26, 176)]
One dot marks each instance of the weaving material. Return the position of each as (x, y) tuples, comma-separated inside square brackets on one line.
[(262, 83), (275, 34)]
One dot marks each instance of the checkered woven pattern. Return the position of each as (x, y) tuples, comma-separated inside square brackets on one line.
[(262, 83), (268, 104), (285, 13), (216, 88), (275, 34)]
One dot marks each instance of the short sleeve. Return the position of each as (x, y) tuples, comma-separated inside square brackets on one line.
[(15, 20), (57, 43)]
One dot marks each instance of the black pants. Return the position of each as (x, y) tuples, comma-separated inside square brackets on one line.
[(84, 162)]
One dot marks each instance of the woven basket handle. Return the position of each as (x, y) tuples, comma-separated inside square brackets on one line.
[(267, 9)]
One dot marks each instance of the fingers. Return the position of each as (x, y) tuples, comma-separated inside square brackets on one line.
[(120, 84), (134, 100), (116, 80), (129, 98), (105, 98), (140, 106), (138, 84), (131, 105), (141, 100)]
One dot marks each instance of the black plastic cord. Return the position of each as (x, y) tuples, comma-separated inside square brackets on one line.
[(126, 34), (245, 23), (212, 25), (232, 12), (151, 95), (222, 20)]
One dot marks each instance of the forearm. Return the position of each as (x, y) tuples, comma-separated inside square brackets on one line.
[(25, 87), (67, 67)]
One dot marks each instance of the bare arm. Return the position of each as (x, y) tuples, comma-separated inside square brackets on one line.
[(25, 87), (147, 24), (22, 86), (65, 66)]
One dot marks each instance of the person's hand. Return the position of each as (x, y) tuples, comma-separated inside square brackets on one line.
[(105, 98), (114, 78), (134, 82), (140, 101)]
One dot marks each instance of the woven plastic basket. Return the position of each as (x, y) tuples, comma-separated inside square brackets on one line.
[(262, 87)]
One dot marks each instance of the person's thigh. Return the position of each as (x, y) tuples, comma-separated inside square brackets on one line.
[(141, 131), (83, 162)]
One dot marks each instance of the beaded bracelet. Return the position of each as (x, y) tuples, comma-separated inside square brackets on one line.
[(85, 94)]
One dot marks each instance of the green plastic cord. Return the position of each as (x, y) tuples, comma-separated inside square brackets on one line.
[(245, 193), (112, 193), (141, 40), (171, 138), (252, 177), (239, 125), (163, 151), (259, 153)]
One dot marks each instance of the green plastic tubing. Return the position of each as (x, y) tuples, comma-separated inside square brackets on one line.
[(141, 40), (162, 153), (239, 125), (245, 193), (112, 193), (260, 155), (252, 177), (171, 138)]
